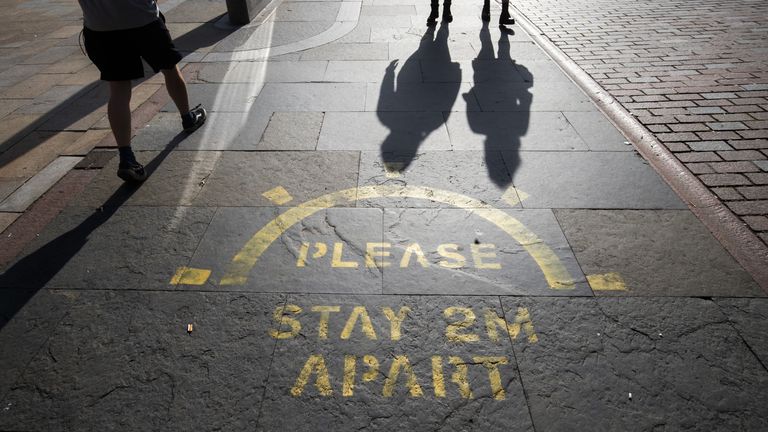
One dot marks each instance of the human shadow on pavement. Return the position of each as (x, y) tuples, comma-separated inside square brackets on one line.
[(23, 279), (500, 78), (407, 105)]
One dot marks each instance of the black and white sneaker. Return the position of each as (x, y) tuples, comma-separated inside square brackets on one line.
[(131, 172), (193, 119)]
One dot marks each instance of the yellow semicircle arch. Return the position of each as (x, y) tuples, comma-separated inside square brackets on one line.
[(555, 273)]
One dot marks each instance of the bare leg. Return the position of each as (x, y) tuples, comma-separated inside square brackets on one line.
[(119, 111), (177, 88)]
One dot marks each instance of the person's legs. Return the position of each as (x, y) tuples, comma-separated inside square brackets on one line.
[(119, 111), (119, 114), (191, 119), (177, 88)]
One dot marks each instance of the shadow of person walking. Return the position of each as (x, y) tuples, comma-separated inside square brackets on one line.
[(500, 74), (20, 281), (413, 109)]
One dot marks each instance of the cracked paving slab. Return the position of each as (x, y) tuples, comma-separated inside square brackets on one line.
[(681, 361), (750, 318), (464, 253), (656, 253), (325, 252), (484, 177), (439, 369), (130, 248), (30, 317), (126, 360)]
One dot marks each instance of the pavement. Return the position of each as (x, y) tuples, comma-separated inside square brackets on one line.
[(380, 226)]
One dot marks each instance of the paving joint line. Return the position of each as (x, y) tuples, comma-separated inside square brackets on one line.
[(517, 366), (269, 370), (744, 245), (741, 336)]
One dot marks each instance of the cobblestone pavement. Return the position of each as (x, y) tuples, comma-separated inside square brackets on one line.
[(693, 72)]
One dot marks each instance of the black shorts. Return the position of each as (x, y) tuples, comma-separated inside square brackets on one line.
[(118, 53)]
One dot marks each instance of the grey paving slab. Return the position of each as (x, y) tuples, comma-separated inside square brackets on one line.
[(196, 11), (221, 131), (396, 34), (656, 253), (599, 134), (324, 252), (292, 131), (8, 185), (550, 96), (618, 180), (413, 385), (365, 71), (465, 253), (122, 360), (400, 132), (360, 34), (534, 131), (51, 55), (387, 10), (129, 248), (84, 110), (748, 316), (234, 97), (541, 71), (35, 187), (638, 364), (11, 105), (50, 100), (312, 11), (467, 28), (16, 74), (347, 51), (263, 71), (271, 34), (313, 96), (385, 21), (240, 178), (6, 219), (27, 319), (408, 96), (482, 177), (96, 159), (176, 182)]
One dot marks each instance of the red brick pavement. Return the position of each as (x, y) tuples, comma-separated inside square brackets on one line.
[(694, 72)]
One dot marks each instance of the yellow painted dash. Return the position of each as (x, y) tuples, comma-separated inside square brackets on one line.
[(607, 282), (278, 195), (514, 196), (190, 276)]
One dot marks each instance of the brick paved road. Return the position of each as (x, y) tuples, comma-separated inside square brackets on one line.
[(693, 72)]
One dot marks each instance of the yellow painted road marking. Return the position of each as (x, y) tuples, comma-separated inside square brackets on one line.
[(514, 196), (278, 196), (607, 282), (393, 169), (190, 276), (556, 274)]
